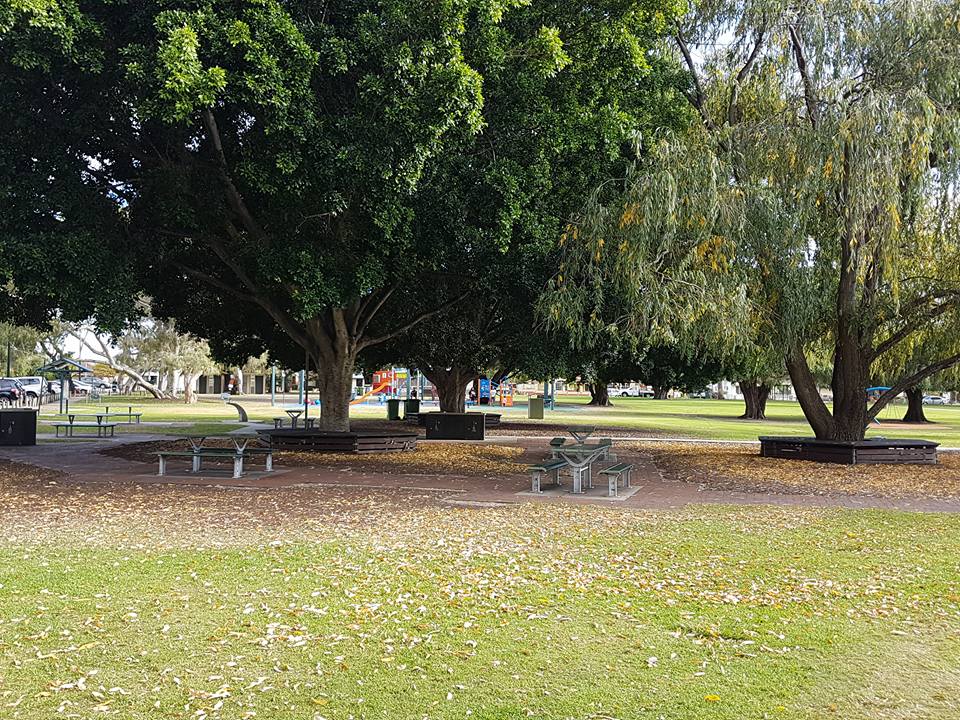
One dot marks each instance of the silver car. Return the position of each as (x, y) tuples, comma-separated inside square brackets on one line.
[(33, 385)]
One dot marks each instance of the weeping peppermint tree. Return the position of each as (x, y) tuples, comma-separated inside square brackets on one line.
[(821, 173)]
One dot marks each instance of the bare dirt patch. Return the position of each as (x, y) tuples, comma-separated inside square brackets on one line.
[(740, 467)]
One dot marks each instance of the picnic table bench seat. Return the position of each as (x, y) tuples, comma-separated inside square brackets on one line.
[(614, 473), (68, 427), (72, 416), (545, 468)]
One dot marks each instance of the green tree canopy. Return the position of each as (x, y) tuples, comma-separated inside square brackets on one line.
[(265, 166), (820, 178)]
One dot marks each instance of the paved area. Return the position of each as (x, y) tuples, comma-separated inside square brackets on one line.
[(83, 463)]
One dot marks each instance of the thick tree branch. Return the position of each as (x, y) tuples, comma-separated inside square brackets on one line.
[(698, 98), (733, 110), (908, 328), (809, 91), (368, 313), (413, 323), (279, 316), (233, 194), (910, 381)]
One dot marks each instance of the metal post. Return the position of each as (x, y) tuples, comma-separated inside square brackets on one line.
[(300, 389), (408, 383), (273, 385), (306, 388), (8, 356)]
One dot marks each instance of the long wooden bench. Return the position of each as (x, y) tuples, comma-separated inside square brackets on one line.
[(614, 474), (873, 451), (306, 440), (103, 429)]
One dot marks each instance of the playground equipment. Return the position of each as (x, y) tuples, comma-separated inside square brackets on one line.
[(887, 412), (373, 391)]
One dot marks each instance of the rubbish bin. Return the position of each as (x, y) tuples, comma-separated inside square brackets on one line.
[(18, 426), (535, 408), (411, 407), (454, 426), (393, 409)]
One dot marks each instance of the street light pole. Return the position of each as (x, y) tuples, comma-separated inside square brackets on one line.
[(9, 348)]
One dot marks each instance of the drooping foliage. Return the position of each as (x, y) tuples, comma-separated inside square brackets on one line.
[(820, 178)]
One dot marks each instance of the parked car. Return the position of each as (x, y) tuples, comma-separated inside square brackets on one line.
[(81, 386), (934, 400), (628, 392), (11, 391), (33, 385)]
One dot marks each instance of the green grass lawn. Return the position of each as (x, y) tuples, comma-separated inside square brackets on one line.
[(530, 611), (718, 419), (684, 418)]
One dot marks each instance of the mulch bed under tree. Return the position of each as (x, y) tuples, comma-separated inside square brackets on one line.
[(740, 467), (428, 459)]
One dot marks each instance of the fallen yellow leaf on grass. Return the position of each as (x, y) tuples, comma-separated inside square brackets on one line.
[(712, 698)]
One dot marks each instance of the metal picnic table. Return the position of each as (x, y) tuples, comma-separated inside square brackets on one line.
[(580, 434), (130, 413), (294, 417), (198, 452), (580, 458), (239, 442)]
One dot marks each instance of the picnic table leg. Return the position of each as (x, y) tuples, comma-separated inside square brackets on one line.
[(163, 465), (626, 481), (238, 466), (269, 462), (577, 481), (196, 461)]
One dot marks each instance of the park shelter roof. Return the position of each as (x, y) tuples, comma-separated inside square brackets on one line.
[(64, 366)]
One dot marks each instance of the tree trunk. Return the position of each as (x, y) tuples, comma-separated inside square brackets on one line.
[(849, 418), (915, 412), (334, 385), (599, 397), (755, 394), (808, 394), (660, 392), (451, 385), (189, 396)]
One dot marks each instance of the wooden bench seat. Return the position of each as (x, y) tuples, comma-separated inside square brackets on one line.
[(545, 468), (614, 473)]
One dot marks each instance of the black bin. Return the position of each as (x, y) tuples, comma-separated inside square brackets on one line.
[(454, 426), (411, 407), (18, 426)]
